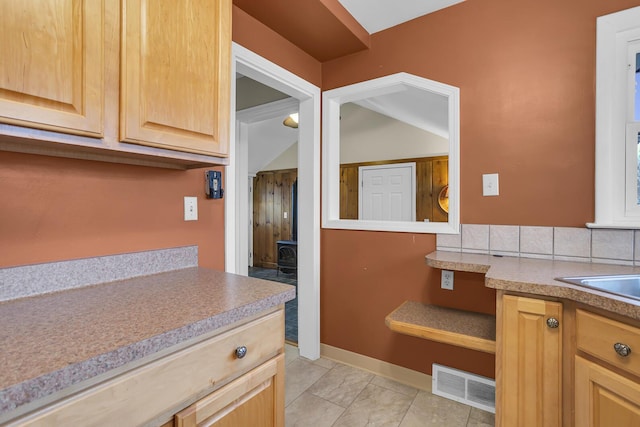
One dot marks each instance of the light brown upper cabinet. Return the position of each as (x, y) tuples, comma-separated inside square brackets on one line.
[(175, 74), (126, 81), (52, 68)]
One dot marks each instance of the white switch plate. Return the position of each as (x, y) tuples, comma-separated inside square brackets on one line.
[(447, 280), (490, 184), (190, 208)]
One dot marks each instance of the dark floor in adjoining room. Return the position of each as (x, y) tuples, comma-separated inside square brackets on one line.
[(291, 307)]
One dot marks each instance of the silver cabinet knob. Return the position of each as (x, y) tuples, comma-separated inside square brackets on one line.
[(241, 352), (552, 322), (622, 349)]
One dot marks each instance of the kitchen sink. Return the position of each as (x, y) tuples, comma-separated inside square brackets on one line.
[(627, 285)]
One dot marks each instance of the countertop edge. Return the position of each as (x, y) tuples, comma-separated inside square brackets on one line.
[(29, 392), (527, 275)]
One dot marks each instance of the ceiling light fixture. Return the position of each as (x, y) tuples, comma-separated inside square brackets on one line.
[(291, 121)]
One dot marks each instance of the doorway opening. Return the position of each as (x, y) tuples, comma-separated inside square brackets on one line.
[(305, 98)]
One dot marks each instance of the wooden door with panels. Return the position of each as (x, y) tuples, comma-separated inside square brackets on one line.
[(529, 362), (175, 74), (52, 68), (256, 399), (604, 398), (607, 368)]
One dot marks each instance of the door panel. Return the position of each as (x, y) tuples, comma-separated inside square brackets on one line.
[(52, 69), (176, 74), (388, 192)]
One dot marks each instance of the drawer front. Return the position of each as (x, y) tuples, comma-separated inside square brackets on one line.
[(146, 392), (597, 336), (254, 399)]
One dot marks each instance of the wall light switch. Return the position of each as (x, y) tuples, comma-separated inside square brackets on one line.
[(190, 208), (490, 184)]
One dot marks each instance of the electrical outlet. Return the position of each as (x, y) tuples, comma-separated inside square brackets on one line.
[(190, 208), (447, 280)]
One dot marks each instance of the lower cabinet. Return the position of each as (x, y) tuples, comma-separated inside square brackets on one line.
[(607, 367), (256, 399), (600, 365), (529, 362), (240, 373), (604, 398)]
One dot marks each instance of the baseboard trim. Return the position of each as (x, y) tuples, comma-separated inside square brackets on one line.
[(388, 370)]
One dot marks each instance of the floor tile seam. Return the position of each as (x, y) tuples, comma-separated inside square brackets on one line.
[(406, 412), (394, 390), (468, 418), (327, 400), (308, 389), (327, 370)]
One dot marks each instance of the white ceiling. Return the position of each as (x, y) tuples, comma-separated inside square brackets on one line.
[(422, 109), (378, 15), (270, 137)]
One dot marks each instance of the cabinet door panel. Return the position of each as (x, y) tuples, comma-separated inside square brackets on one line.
[(175, 70), (531, 358), (603, 398), (256, 399), (52, 69)]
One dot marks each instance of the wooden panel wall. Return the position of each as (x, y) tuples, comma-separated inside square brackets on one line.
[(432, 174), (271, 199)]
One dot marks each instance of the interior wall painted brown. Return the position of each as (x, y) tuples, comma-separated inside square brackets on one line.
[(526, 73), (366, 275), (258, 38), (57, 209)]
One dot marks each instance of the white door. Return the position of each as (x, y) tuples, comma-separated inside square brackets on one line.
[(387, 192)]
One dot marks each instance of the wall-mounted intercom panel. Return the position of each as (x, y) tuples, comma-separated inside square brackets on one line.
[(213, 185)]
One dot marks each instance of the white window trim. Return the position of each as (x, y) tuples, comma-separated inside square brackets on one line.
[(614, 32), (331, 102)]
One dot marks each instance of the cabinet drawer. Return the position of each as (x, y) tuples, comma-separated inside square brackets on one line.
[(250, 400), (142, 394), (597, 336)]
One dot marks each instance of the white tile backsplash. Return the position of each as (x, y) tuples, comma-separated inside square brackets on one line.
[(536, 240), (449, 241), (636, 245), (475, 237), (611, 261), (612, 244), (504, 238), (572, 242), (571, 258)]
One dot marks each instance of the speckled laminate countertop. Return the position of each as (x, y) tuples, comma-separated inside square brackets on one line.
[(537, 277), (51, 342)]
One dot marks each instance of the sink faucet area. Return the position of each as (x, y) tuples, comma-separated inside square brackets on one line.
[(626, 285)]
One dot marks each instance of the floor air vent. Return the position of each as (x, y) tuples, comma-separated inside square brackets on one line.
[(464, 387)]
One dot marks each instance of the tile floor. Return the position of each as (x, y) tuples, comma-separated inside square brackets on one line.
[(326, 393), (291, 307)]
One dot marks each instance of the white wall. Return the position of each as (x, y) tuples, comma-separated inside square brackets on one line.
[(367, 136), (287, 160), (267, 141)]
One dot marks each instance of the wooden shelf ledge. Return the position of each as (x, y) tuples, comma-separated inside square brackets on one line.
[(461, 328)]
